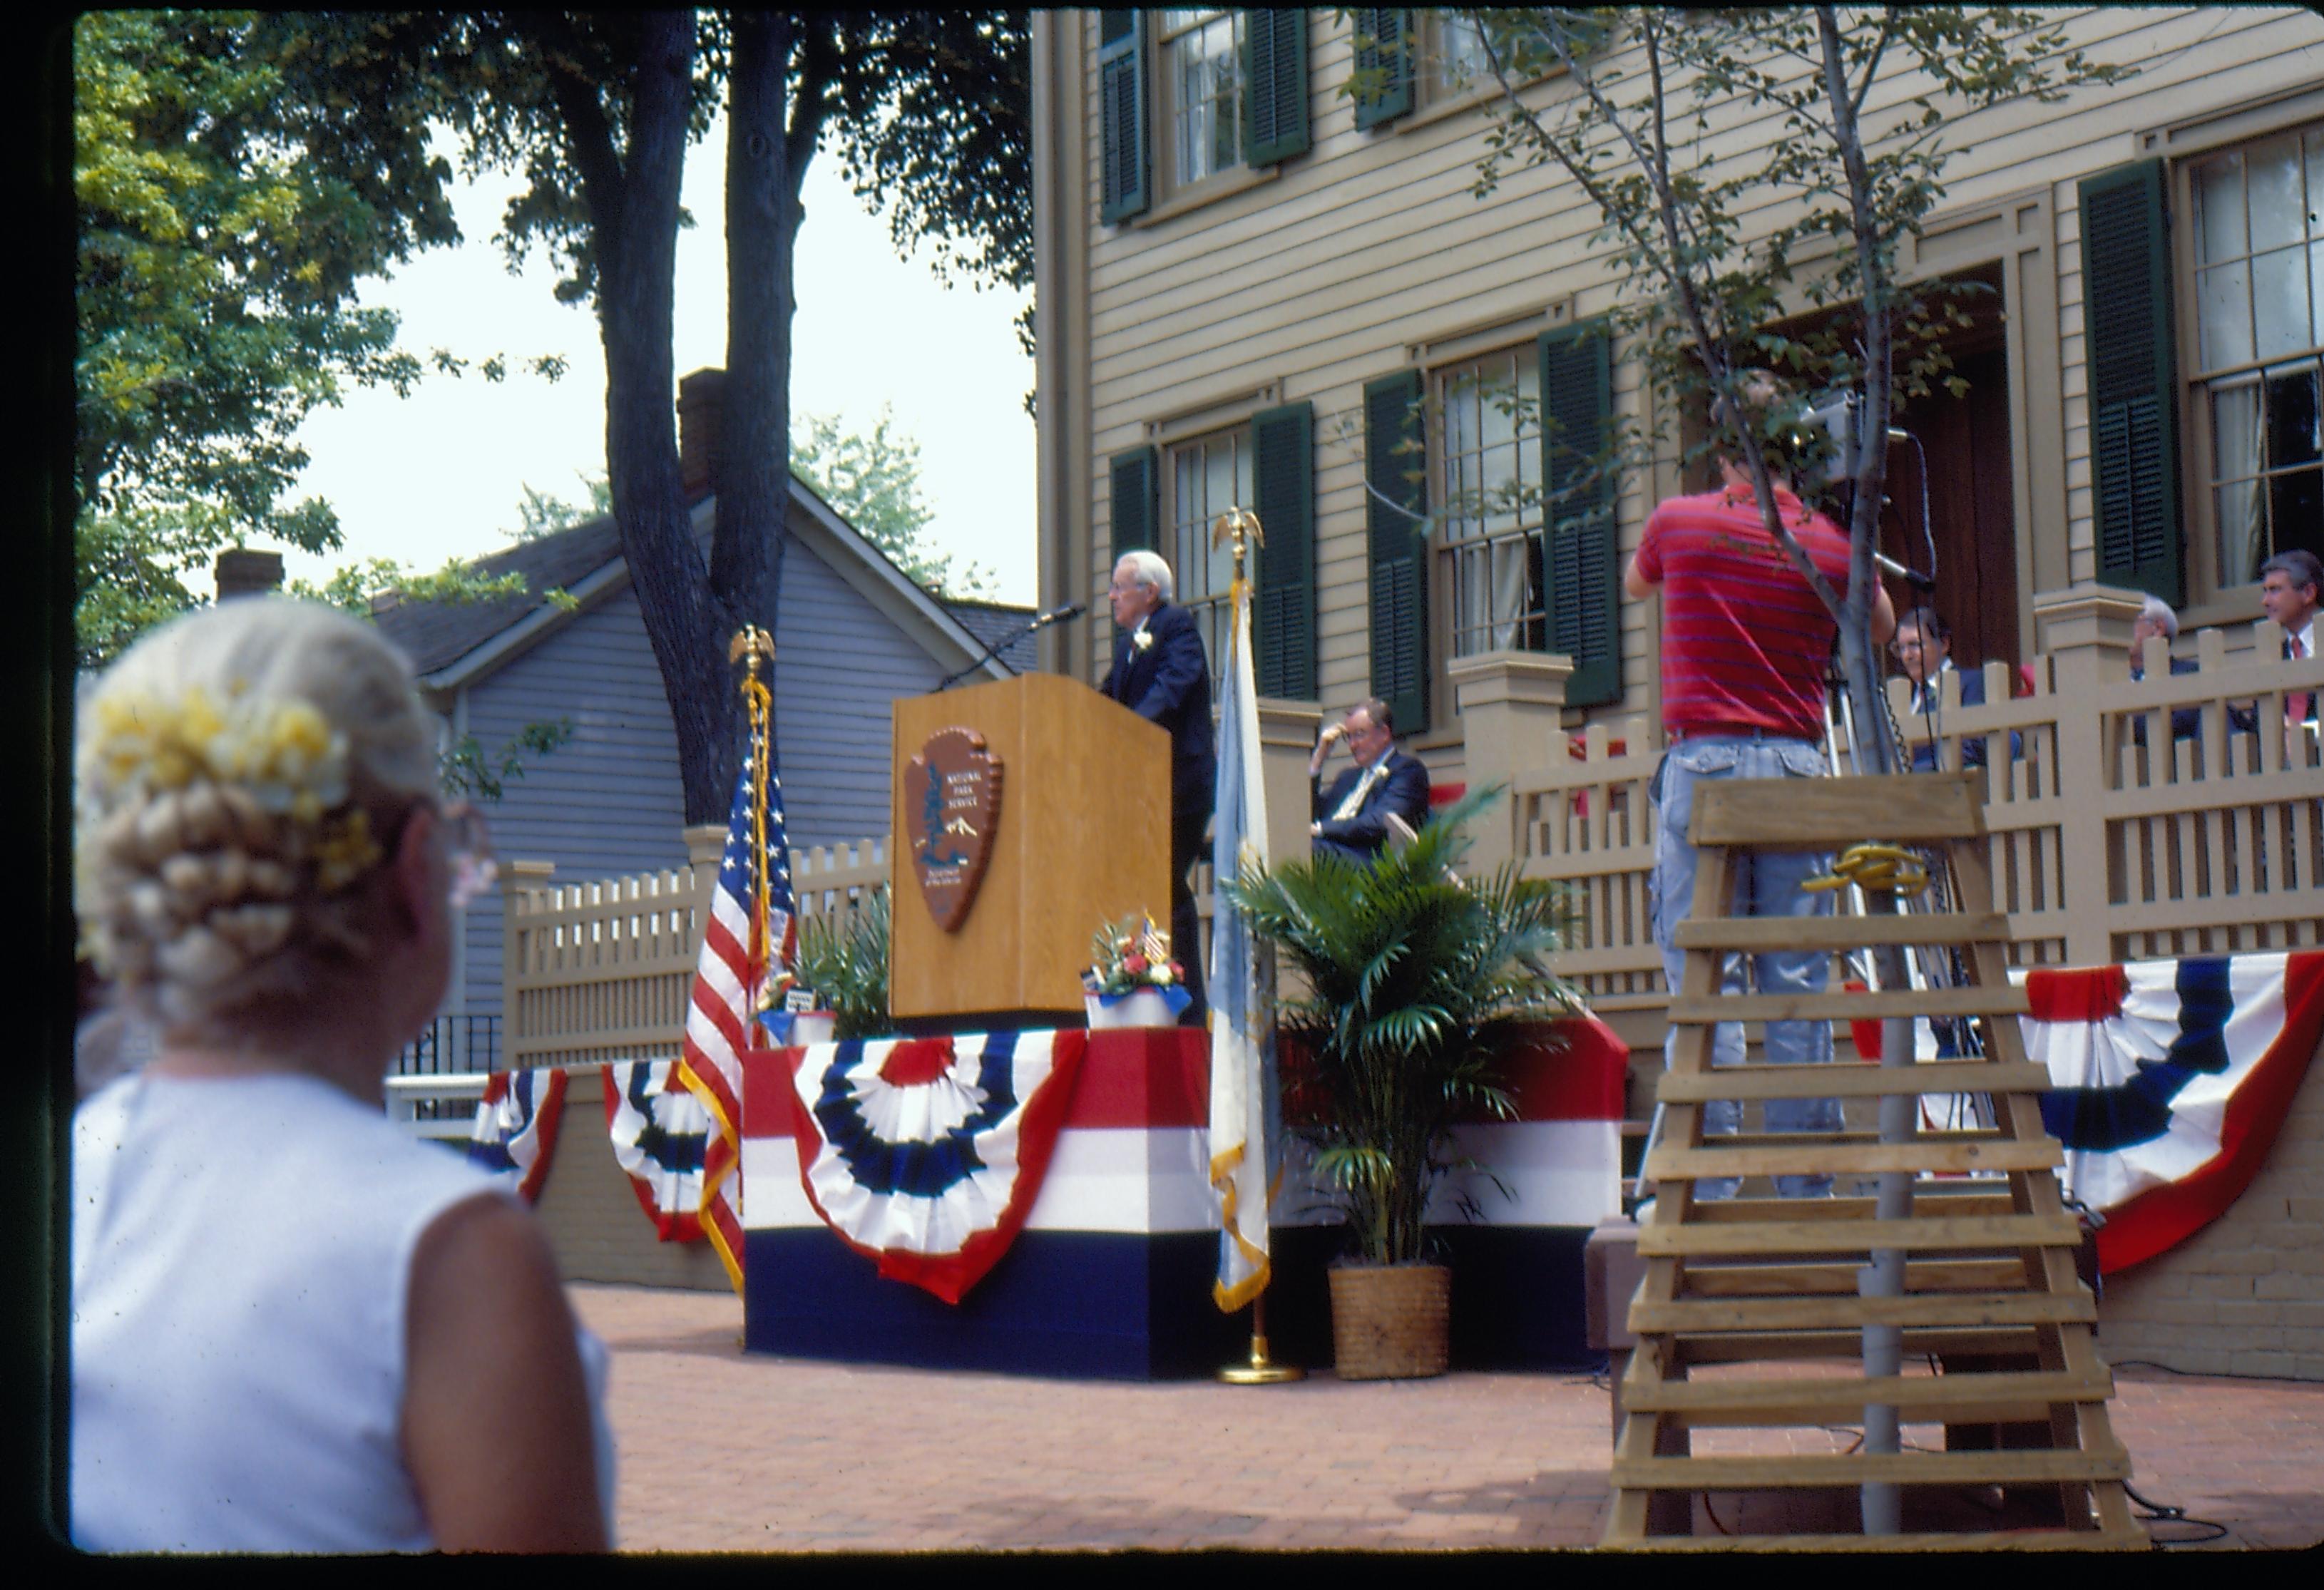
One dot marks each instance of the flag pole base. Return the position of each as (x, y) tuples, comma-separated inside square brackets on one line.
[(1260, 1370)]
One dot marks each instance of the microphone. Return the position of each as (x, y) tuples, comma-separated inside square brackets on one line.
[(1918, 580), (1058, 615)]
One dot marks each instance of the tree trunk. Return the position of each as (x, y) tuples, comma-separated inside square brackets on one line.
[(746, 555), (637, 263)]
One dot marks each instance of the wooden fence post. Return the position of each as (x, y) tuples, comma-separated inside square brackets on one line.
[(1512, 704), (517, 878), (2085, 632)]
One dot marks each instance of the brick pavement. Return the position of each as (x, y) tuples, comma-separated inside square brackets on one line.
[(812, 1457)]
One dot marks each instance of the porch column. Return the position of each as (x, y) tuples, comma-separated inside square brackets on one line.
[(1512, 704), (2085, 632), (1287, 736)]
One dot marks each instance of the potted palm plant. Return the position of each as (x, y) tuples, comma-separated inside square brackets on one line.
[(843, 957), (1416, 985)]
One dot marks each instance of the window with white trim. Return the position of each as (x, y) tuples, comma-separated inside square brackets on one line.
[(1488, 471), (1453, 51), (1207, 475), (1206, 101), (2257, 372)]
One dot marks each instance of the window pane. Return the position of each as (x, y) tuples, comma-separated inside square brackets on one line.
[(2219, 207), (2292, 436), (2235, 430), (2243, 537), (2280, 301), (2315, 144), (1509, 590), (2316, 292), (2234, 457), (2297, 502), (2277, 205), (2223, 315), (1461, 46)]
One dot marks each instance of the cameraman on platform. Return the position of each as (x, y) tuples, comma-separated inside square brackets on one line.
[(1744, 643)]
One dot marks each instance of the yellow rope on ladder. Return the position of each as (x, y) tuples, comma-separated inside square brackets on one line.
[(1890, 869)]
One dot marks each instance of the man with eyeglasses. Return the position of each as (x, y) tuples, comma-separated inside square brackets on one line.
[(1161, 672), (1923, 650), (1352, 818)]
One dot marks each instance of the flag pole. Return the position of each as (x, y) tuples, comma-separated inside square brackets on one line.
[(1238, 523)]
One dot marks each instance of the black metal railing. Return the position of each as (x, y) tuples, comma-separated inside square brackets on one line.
[(452, 1044)]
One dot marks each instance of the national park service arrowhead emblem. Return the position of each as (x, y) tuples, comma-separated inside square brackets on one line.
[(951, 809)]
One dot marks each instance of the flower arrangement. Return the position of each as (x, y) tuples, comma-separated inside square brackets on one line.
[(285, 753), (1130, 955)]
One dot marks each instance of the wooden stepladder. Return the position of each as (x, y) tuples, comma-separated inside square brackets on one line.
[(1769, 1287)]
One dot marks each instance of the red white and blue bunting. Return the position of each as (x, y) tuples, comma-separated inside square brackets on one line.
[(660, 1132), (925, 1154), (2169, 1078), (515, 1134)]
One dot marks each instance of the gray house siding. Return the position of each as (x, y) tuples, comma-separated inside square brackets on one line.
[(608, 802), (838, 663)]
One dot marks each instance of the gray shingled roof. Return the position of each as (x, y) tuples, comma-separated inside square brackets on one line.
[(990, 621), (435, 633)]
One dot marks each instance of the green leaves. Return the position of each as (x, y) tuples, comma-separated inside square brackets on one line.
[(227, 214), (1415, 981), (842, 956), (469, 772), (1720, 238), (874, 482)]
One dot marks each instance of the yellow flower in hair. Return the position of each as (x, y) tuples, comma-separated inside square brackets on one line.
[(345, 851)]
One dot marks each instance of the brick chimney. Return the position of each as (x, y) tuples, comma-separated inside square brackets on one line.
[(244, 573), (700, 414)]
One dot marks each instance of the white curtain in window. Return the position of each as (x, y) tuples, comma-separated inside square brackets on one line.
[(2234, 453)]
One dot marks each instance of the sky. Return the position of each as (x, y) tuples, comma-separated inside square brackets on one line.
[(439, 475)]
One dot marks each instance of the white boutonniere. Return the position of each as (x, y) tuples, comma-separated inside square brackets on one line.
[(1143, 640)]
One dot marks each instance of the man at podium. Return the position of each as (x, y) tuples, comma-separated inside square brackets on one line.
[(1161, 672)]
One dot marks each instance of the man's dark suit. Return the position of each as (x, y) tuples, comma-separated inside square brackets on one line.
[(2186, 722), (1169, 683), (1402, 788), (1925, 750)]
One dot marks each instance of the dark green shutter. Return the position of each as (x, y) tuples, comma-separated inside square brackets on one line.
[(1399, 542), (1135, 510), (1134, 482), (1577, 403), (2133, 398), (1283, 607), (1275, 66), (1121, 115), (1383, 44)]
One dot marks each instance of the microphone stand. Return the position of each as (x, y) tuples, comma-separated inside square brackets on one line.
[(1039, 621)]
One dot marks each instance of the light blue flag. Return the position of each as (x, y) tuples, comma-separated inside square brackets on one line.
[(1244, 1107)]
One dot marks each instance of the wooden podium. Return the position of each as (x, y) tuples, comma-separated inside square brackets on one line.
[(1083, 837)]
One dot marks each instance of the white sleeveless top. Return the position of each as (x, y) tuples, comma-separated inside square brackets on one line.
[(241, 1253)]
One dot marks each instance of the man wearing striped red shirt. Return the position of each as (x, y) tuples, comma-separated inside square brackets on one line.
[(1745, 644)]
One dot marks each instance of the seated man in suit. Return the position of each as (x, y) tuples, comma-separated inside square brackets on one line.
[(2157, 621), (2290, 591), (1351, 817), (1924, 647), (1161, 672)]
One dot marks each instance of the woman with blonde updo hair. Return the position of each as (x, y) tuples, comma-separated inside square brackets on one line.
[(295, 1328)]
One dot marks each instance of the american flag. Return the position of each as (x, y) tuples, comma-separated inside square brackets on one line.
[(723, 1009)]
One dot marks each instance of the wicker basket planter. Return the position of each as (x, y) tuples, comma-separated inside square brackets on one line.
[(1390, 1321)]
